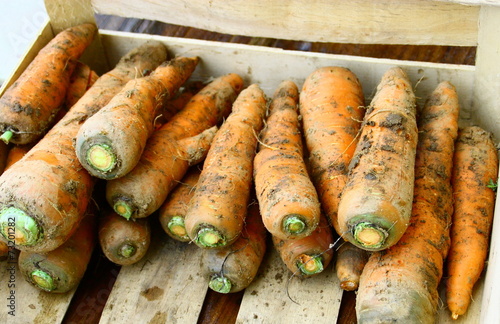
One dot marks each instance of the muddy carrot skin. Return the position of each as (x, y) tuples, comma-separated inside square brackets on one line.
[(287, 197), (29, 106), (475, 169), (400, 284), (47, 192), (217, 211), (233, 268), (110, 143), (123, 242), (173, 211), (375, 206), (61, 270), (143, 190), (349, 263), (310, 255), (332, 108)]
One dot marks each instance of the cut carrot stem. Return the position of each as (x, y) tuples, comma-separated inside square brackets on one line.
[(127, 251), (177, 227), (43, 280), (294, 224), (220, 284), (123, 208), (370, 235), (24, 228), (310, 264), (101, 157), (210, 237), (6, 136)]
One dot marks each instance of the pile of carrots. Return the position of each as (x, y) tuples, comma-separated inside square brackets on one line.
[(398, 196)]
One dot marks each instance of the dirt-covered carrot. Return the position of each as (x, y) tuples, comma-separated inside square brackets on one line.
[(47, 192), (216, 212), (110, 143), (173, 211), (61, 270), (475, 168), (123, 242), (162, 165), (332, 107), (233, 268), (375, 206), (310, 255), (28, 107), (81, 80), (349, 263), (400, 284), (287, 197)]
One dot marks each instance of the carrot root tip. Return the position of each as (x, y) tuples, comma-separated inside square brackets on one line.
[(6, 136), (210, 237), (127, 250), (177, 227), (101, 157), (220, 284), (294, 224), (454, 316), (310, 265), (123, 209), (42, 280), (369, 235), (18, 227)]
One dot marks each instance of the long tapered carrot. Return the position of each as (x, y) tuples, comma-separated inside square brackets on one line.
[(173, 211), (46, 192), (375, 206), (110, 143), (287, 197), (349, 264), (332, 107), (475, 168), (310, 255), (61, 270), (122, 241), (400, 284), (142, 191), (217, 211), (29, 106), (233, 268)]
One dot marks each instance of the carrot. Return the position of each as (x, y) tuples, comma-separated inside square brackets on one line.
[(16, 152), (4, 155), (287, 197), (61, 270), (475, 167), (122, 241), (173, 211), (47, 191), (400, 284), (81, 80), (29, 106), (349, 265), (142, 191), (332, 107), (375, 206), (233, 268), (217, 210), (4, 251), (110, 143), (310, 255)]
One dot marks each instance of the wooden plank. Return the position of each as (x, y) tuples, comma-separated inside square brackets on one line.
[(24, 303), (165, 287), (356, 21), (275, 298), (475, 2)]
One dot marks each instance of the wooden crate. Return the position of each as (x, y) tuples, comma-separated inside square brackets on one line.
[(166, 287)]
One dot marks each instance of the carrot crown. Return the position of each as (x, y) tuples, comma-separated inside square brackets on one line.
[(210, 237), (220, 284), (177, 227), (123, 208), (294, 224), (370, 235), (310, 264), (43, 280), (127, 250), (18, 227), (101, 157)]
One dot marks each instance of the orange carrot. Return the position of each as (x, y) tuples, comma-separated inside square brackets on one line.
[(332, 107), (287, 197), (47, 191), (173, 211), (110, 143), (400, 284), (349, 265), (233, 268), (4, 251), (61, 270), (475, 168), (375, 206), (163, 163), (81, 80), (29, 106), (123, 242), (16, 152), (4, 155), (216, 212), (310, 255)]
